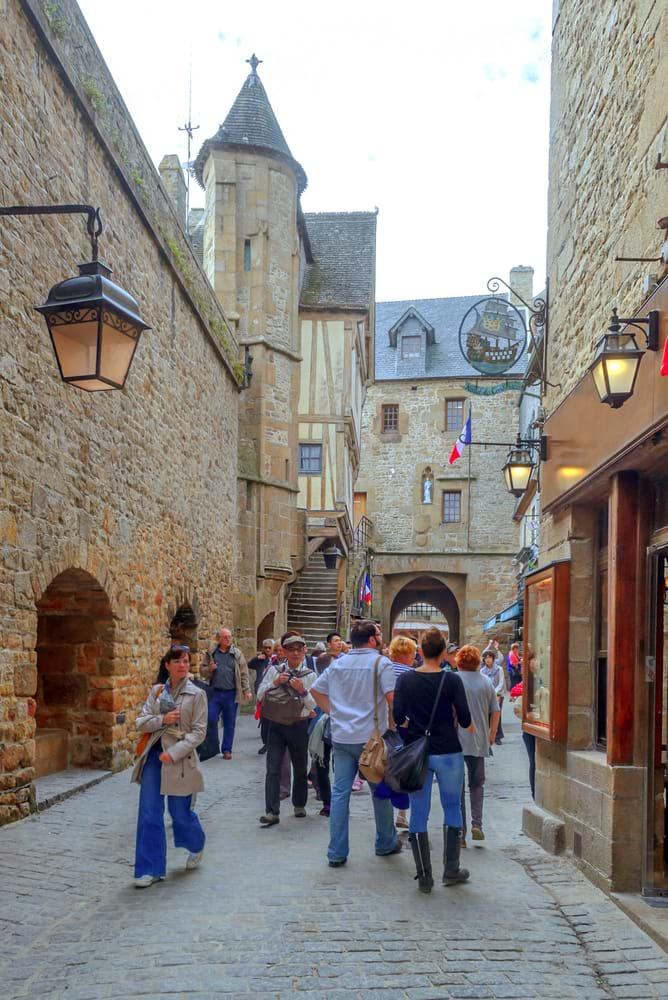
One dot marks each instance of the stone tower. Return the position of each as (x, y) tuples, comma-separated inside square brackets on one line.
[(253, 230)]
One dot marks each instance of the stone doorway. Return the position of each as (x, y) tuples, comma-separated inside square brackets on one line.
[(265, 629), (76, 701)]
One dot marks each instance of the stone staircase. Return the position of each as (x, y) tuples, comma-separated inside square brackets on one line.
[(312, 607)]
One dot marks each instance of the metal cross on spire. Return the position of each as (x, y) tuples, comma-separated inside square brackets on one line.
[(254, 63)]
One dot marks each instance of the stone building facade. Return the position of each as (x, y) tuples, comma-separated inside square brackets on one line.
[(116, 508), (600, 791), (443, 534)]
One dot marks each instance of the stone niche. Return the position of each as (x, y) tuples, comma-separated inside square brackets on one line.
[(75, 666)]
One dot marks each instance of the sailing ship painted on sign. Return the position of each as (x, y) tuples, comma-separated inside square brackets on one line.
[(492, 336)]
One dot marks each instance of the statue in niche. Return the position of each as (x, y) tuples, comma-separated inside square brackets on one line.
[(427, 487)]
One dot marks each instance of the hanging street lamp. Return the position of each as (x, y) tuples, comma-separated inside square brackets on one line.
[(617, 358), (518, 468), (93, 323)]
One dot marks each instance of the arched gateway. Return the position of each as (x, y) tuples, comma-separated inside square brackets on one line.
[(428, 590)]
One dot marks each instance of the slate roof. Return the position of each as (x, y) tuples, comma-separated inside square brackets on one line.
[(444, 358), (343, 271), (250, 124)]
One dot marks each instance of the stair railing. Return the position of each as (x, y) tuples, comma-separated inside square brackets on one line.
[(362, 533)]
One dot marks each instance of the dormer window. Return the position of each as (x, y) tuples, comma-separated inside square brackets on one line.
[(411, 347)]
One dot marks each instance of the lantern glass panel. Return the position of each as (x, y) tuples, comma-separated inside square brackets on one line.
[(598, 372), (75, 343), (621, 374), (119, 341), (520, 475)]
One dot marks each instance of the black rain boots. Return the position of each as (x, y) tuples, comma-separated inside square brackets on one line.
[(422, 857), (452, 873)]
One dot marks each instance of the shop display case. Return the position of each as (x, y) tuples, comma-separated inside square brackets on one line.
[(545, 656)]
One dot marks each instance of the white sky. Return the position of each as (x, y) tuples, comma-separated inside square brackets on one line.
[(434, 111)]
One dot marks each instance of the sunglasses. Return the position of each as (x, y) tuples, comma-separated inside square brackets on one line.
[(179, 647)]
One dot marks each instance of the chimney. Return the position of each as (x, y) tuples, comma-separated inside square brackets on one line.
[(175, 185), (521, 281)]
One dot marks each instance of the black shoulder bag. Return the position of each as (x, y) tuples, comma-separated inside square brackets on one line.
[(406, 768)]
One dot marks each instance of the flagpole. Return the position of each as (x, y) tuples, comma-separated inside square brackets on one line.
[(468, 515)]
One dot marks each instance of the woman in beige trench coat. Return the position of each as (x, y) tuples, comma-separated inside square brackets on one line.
[(174, 718)]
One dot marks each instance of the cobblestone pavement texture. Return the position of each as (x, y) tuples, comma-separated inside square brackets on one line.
[(265, 917)]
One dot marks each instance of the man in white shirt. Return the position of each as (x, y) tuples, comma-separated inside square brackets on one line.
[(345, 691)]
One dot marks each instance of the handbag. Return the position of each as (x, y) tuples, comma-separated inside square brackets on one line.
[(142, 742), (374, 752), (283, 704), (406, 768)]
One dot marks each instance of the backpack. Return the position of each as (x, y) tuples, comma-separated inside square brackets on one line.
[(282, 704)]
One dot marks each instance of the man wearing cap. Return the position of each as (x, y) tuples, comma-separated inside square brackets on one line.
[(293, 737), (451, 656)]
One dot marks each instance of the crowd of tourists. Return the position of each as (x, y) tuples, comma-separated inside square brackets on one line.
[(397, 716)]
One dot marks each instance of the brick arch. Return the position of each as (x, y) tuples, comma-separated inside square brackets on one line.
[(76, 697), (73, 557)]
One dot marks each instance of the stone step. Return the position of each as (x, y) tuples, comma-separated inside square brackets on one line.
[(51, 751)]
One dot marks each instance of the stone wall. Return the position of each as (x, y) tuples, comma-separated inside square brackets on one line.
[(609, 123), (131, 493), (473, 558)]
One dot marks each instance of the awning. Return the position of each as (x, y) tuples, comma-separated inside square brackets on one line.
[(512, 612)]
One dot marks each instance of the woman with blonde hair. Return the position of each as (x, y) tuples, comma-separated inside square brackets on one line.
[(419, 693)]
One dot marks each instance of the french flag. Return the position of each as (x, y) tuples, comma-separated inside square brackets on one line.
[(367, 590), (461, 442)]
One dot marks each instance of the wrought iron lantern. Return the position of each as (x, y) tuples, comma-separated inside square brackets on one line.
[(518, 468), (93, 323), (617, 358), (94, 327)]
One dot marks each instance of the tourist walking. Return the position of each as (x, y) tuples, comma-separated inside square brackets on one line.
[(485, 712), (430, 689), (228, 676), (514, 665), (173, 724), (402, 654), (290, 734), (259, 664), (492, 668), (345, 691)]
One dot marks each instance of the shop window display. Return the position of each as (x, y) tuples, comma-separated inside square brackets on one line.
[(545, 670)]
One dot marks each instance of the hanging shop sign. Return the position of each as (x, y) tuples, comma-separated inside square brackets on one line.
[(492, 335)]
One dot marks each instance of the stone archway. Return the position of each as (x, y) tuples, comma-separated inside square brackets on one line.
[(428, 589), (265, 629), (76, 700)]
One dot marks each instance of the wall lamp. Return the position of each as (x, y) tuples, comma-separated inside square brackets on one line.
[(94, 324), (520, 463), (617, 358)]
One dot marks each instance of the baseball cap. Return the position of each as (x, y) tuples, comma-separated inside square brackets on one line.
[(452, 647), (293, 640)]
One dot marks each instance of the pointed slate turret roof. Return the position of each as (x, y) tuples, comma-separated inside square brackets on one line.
[(251, 124)]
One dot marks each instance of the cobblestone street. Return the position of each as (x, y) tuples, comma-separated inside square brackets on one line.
[(265, 917)]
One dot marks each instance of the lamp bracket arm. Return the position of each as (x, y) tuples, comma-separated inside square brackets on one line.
[(652, 331), (93, 220)]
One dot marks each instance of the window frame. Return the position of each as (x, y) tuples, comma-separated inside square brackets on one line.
[(384, 411), (451, 493), (310, 472), (414, 338), (461, 401)]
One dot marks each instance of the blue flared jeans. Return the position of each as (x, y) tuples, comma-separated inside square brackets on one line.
[(448, 769), (151, 845), (224, 703), (346, 759)]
